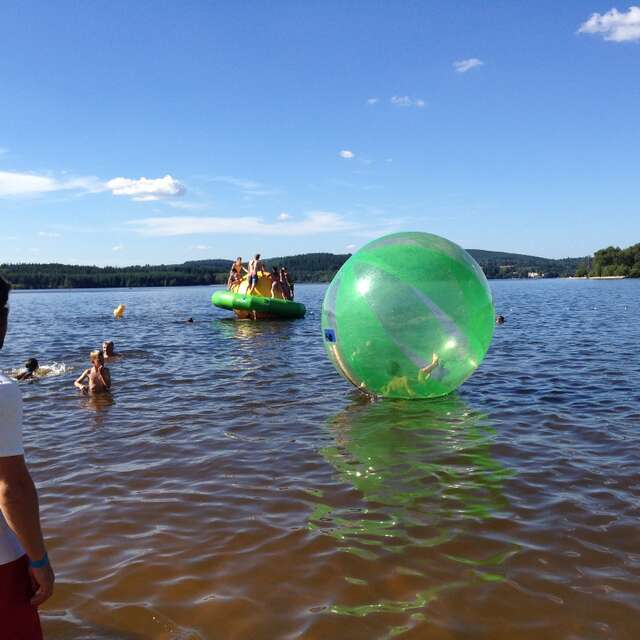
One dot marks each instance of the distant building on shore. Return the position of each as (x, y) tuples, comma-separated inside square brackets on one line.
[(535, 274)]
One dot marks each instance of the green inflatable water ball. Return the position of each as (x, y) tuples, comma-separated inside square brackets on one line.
[(410, 315)]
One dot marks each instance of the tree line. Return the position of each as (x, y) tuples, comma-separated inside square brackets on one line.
[(310, 267), (612, 261)]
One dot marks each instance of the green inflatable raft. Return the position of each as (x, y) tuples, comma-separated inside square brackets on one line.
[(257, 307)]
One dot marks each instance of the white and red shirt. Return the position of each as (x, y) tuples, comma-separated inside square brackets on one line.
[(10, 445)]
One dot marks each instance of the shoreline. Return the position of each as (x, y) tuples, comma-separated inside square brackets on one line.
[(17, 288)]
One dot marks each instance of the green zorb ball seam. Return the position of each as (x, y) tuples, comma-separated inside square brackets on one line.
[(410, 315)]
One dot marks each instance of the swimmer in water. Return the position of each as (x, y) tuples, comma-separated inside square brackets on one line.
[(98, 376), (108, 350), (499, 319), (31, 366)]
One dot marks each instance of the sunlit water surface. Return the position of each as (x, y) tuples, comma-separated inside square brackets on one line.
[(235, 487)]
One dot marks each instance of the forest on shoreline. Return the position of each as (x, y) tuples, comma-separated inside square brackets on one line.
[(310, 267)]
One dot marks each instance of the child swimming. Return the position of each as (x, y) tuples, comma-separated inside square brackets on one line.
[(108, 350), (31, 366), (98, 376)]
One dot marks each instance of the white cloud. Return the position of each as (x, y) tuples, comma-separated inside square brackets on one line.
[(118, 247), (31, 184), (177, 204), (49, 234), (145, 189), (407, 101), (283, 216), (373, 100), (249, 187), (462, 66), (18, 184), (313, 223), (200, 247), (350, 247), (347, 154), (614, 25)]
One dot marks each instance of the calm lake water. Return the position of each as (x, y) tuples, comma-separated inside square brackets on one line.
[(237, 488)]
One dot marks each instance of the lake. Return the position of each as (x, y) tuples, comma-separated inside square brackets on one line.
[(237, 488)]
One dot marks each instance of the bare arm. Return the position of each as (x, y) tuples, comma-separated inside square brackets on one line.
[(19, 506), (106, 377), (80, 380), (430, 367)]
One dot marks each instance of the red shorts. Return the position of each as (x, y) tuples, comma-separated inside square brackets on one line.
[(19, 620)]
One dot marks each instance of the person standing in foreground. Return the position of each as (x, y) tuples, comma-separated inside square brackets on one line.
[(26, 577)]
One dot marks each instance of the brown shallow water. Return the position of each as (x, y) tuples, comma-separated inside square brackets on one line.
[(235, 487)]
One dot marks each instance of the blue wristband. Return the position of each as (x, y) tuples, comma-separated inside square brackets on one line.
[(38, 564)]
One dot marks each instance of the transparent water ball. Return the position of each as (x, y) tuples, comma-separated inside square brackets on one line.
[(410, 315)]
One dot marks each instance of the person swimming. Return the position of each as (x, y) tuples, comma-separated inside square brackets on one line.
[(108, 350), (31, 366), (98, 376), (500, 320)]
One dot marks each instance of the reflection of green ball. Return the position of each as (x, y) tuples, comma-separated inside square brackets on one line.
[(410, 315)]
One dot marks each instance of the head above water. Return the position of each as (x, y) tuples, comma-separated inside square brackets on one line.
[(96, 357), (107, 347), (499, 319), (5, 287), (257, 257), (31, 365), (239, 260)]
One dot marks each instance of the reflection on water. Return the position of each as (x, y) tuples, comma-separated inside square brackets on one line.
[(264, 330), (98, 402), (426, 474)]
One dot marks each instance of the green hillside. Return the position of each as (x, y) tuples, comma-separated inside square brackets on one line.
[(309, 267)]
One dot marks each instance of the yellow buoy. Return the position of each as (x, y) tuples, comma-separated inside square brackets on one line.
[(118, 312)]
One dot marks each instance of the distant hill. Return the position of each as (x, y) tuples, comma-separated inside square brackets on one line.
[(308, 267), (499, 264)]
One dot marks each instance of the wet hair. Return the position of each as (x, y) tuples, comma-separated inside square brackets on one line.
[(5, 287), (257, 256), (31, 365), (96, 354), (109, 345), (500, 320)]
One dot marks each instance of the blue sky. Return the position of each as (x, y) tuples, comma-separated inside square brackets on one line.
[(290, 127)]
